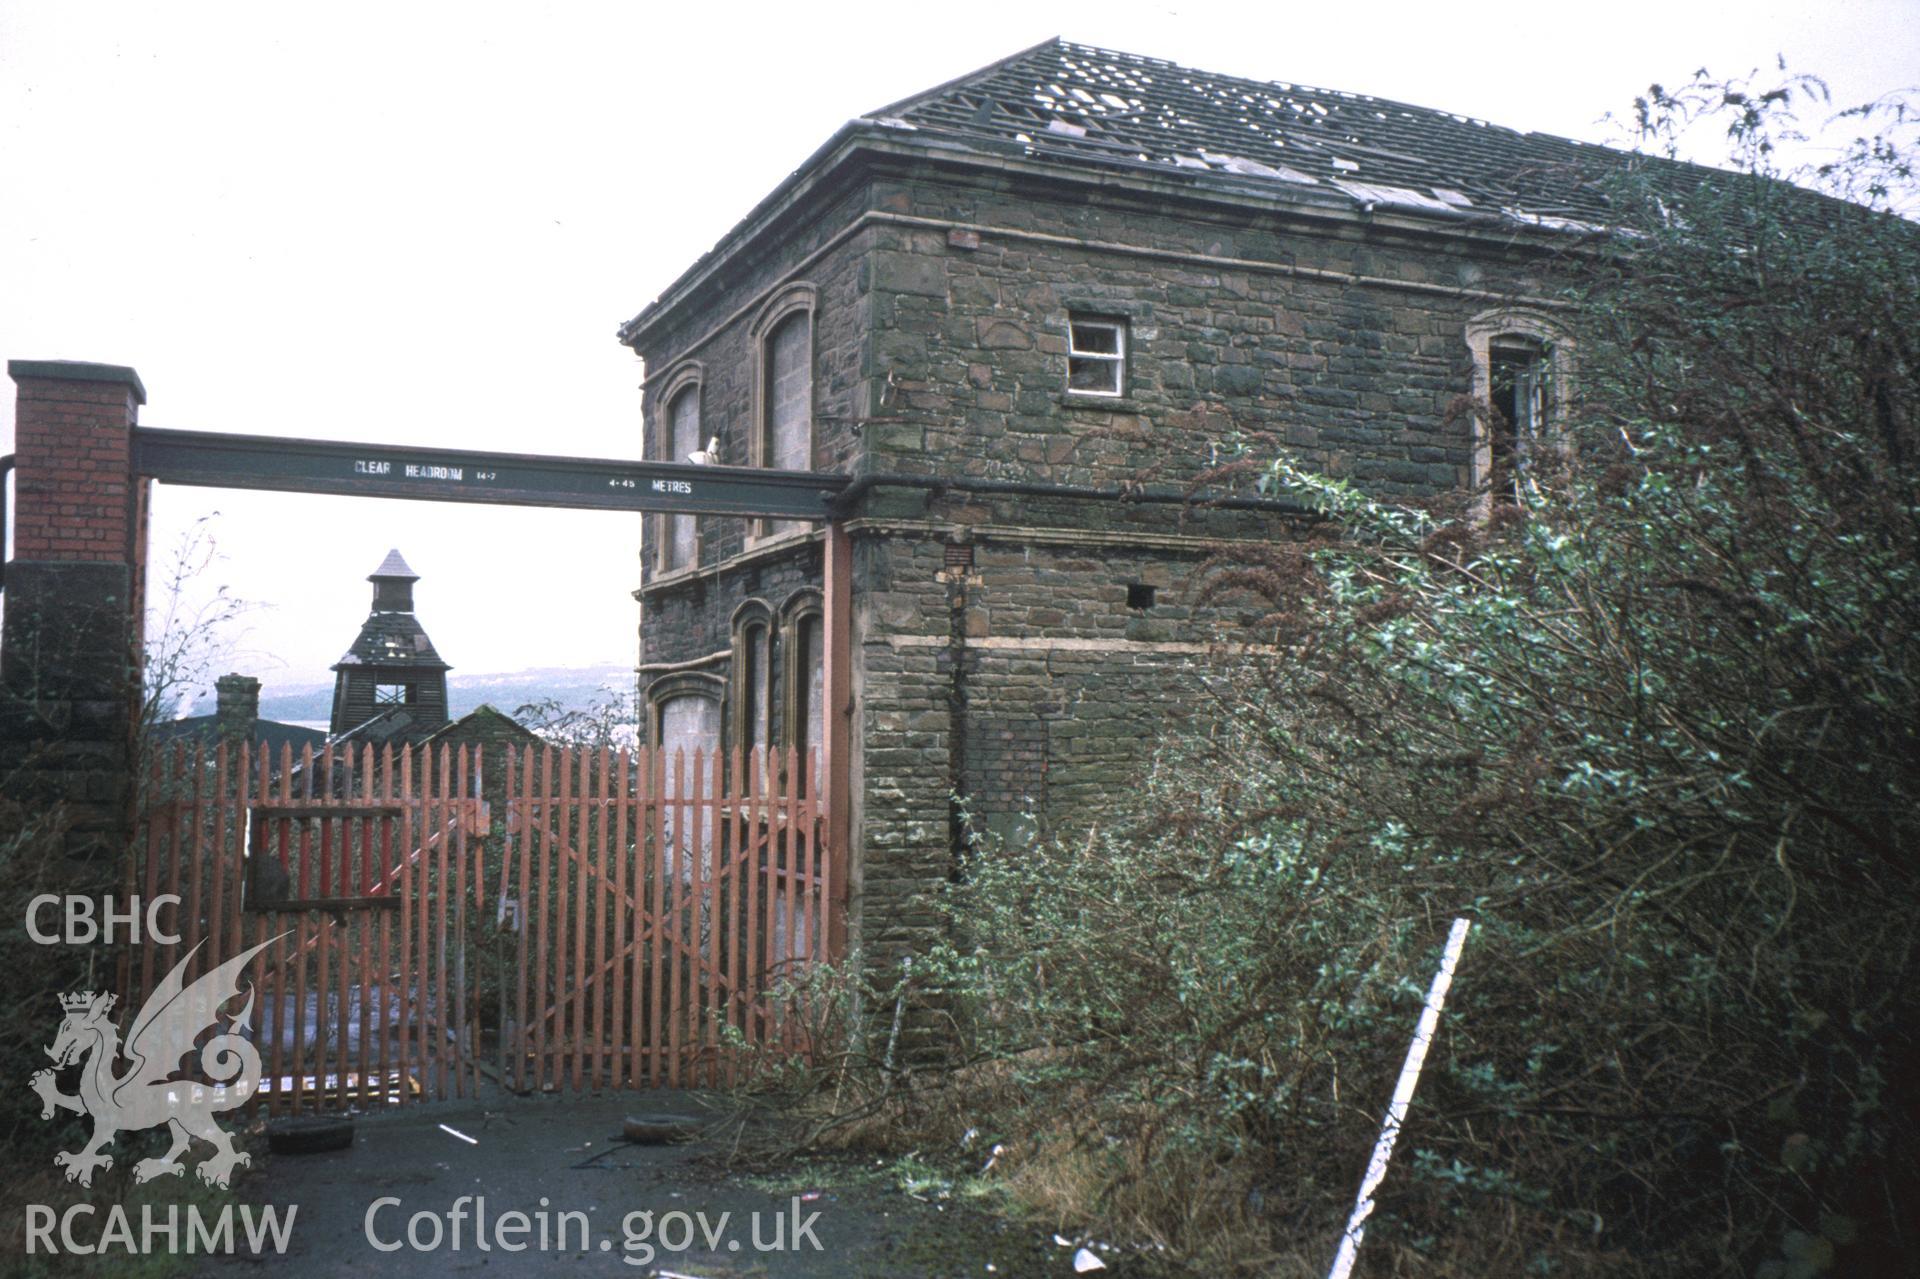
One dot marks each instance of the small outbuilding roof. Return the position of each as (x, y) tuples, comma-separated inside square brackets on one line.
[(272, 734), (485, 722)]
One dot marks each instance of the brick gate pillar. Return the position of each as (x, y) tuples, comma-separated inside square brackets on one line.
[(69, 650)]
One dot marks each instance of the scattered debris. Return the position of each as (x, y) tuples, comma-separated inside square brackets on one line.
[(660, 1129), (309, 1134), (1084, 1261)]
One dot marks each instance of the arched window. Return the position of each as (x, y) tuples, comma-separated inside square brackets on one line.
[(683, 711), (679, 535), (803, 638), (1522, 375), (783, 433), (686, 730), (789, 425), (751, 687)]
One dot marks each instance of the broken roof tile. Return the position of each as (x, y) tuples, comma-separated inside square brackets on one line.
[(1099, 106)]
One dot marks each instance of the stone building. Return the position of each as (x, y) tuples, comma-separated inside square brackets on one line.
[(1032, 311)]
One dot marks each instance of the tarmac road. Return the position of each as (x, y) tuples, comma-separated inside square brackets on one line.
[(408, 1190)]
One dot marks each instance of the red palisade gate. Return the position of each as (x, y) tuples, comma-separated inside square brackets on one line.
[(626, 921)]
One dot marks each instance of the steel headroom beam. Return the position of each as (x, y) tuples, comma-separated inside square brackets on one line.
[(212, 459)]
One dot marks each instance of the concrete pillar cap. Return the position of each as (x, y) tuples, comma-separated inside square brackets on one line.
[(77, 371)]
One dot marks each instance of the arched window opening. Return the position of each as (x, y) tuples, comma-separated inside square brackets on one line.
[(1518, 377), (688, 733), (679, 542), (1522, 372), (805, 684), (783, 392), (751, 691)]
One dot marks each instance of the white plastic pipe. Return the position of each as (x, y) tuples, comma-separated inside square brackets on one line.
[(1402, 1097)]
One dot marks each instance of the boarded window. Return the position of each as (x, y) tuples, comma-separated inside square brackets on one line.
[(788, 442), (680, 547), (689, 724), (808, 694), (753, 685), (392, 694), (806, 712)]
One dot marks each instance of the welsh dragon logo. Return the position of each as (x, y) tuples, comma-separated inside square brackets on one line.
[(150, 1092)]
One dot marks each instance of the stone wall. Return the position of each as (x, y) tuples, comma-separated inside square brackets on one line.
[(1239, 327), (999, 654), (717, 342)]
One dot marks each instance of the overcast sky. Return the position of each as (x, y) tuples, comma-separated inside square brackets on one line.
[(422, 223)]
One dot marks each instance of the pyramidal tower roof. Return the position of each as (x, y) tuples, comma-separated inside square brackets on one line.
[(392, 637), (393, 567)]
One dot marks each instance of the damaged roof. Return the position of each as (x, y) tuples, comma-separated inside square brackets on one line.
[(1082, 104), (393, 640), (1075, 106)]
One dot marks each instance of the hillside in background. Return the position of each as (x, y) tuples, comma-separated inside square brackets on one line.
[(574, 688)]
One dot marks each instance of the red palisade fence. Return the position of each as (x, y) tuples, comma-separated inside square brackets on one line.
[(665, 900), (610, 919)]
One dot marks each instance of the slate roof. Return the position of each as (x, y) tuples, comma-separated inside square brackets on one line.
[(486, 721), (393, 567), (393, 640), (1079, 104), (269, 732), (393, 724)]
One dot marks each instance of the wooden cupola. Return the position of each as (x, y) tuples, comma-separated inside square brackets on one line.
[(392, 674)]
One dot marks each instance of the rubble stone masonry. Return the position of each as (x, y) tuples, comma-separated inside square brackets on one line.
[(1026, 650)]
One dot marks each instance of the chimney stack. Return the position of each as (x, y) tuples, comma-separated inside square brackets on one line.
[(237, 706)]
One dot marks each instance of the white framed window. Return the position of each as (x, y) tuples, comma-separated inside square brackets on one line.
[(1096, 355)]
